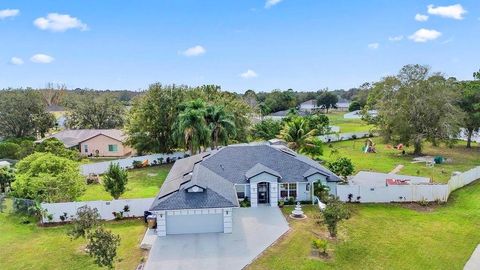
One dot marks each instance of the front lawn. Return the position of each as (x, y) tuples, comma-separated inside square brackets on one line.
[(386, 236), (142, 183), (27, 246), (385, 160)]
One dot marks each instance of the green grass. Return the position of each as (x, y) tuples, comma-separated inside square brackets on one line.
[(385, 159), (348, 125), (386, 236), (142, 183), (28, 246)]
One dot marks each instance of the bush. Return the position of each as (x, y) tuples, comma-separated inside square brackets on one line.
[(320, 244), (115, 180), (86, 220), (245, 202), (137, 164), (354, 137), (342, 167), (354, 106), (335, 212), (9, 150), (102, 246), (93, 179)]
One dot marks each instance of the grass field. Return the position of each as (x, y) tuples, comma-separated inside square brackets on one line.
[(27, 246), (142, 183), (348, 125), (386, 236), (385, 159)]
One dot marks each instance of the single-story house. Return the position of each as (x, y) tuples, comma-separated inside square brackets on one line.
[(201, 191), (358, 114), (309, 106), (94, 142), (282, 114)]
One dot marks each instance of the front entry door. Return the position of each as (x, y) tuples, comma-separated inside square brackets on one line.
[(263, 192)]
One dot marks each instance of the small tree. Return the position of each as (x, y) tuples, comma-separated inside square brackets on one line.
[(342, 166), (335, 212), (327, 100), (7, 176), (115, 180), (86, 220), (102, 246)]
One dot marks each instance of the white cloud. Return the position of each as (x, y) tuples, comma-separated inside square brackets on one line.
[(249, 74), (454, 11), (59, 23), (41, 58), (421, 17), (271, 3), (194, 51), (17, 61), (6, 13), (395, 38), (424, 35), (373, 46)]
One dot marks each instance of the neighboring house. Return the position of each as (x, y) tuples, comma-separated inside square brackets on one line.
[(358, 114), (342, 105), (201, 191), (282, 114), (309, 106), (95, 142)]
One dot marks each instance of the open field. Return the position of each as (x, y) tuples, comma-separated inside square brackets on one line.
[(27, 246), (386, 236), (142, 183), (385, 160), (348, 125)]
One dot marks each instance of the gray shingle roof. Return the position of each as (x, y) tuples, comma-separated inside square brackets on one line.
[(192, 200)]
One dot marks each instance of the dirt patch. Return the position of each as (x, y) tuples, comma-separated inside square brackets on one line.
[(421, 207)]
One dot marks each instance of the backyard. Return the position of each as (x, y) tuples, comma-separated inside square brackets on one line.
[(385, 236), (142, 183), (348, 125), (386, 159), (28, 246)]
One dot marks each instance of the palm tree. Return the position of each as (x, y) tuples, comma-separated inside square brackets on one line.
[(221, 125), (191, 129), (300, 137)]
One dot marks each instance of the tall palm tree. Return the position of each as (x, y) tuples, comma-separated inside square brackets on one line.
[(191, 129), (221, 124), (300, 137)]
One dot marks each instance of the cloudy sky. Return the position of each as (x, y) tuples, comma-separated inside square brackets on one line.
[(238, 44)]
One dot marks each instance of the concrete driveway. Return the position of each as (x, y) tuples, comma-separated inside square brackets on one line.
[(254, 229)]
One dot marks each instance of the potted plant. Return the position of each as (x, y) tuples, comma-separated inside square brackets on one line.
[(281, 203)]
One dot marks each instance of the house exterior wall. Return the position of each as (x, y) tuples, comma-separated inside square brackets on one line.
[(186, 221), (101, 143), (264, 177)]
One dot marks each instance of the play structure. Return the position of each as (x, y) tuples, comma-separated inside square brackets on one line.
[(369, 147)]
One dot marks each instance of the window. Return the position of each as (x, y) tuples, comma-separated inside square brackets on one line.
[(85, 148), (283, 190), (240, 191), (292, 190), (112, 148)]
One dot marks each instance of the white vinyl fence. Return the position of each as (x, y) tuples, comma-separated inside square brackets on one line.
[(105, 208), (407, 193), (102, 167), (336, 137)]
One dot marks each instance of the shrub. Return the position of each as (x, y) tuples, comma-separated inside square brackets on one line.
[(102, 246), (320, 244), (9, 150), (115, 180), (86, 220), (354, 137), (93, 179), (137, 164), (335, 212), (245, 202), (342, 166)]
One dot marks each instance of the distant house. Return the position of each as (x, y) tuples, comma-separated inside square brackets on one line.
[(309, 106), (282, 114), (95, 142)]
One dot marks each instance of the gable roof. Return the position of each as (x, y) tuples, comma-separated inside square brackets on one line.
[(260, 168), (73, 137)]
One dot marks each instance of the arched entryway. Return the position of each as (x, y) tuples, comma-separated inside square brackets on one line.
[(263, 190)]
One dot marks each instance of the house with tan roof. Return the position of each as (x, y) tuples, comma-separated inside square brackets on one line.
[(95, 142)]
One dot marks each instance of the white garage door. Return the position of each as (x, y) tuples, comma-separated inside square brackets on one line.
[(198, 223)]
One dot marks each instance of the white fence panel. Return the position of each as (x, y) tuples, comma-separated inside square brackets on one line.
[(102, 167), (408, 193), (105, 208)]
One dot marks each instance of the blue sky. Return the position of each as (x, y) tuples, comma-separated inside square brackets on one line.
[(238, 44)]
